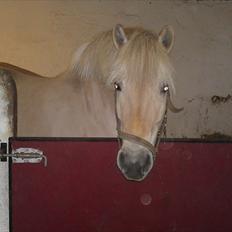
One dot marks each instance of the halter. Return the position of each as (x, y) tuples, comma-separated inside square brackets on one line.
[(153, 148)]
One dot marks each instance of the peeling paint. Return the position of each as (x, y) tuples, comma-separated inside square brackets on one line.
[(7, 111), (191, 100), (8, 104)]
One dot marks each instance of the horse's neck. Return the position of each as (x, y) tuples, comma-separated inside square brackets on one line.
[(93, 108), (97, 109), (64, 107)]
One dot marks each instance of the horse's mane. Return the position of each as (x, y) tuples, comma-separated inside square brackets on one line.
[(141, 57)]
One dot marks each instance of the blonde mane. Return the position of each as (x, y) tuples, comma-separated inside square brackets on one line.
[(142, 58)]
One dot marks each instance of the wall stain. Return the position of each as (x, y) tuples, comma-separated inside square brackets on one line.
[(191, 100), (216, 136), (219, 99)]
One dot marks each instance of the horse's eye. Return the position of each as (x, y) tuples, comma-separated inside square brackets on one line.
[(165, 89), (117, 86)]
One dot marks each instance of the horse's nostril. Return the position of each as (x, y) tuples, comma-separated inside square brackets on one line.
[(147, 164), (123, 162), (122, 158)]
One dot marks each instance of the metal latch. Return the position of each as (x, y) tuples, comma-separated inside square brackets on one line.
[(26, 155)]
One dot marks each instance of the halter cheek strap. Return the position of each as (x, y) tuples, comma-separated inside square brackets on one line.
[(136, 139)]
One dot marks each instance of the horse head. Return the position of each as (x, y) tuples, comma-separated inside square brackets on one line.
[(142, 78)]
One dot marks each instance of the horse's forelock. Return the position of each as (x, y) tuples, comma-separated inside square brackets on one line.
[(142, 59)]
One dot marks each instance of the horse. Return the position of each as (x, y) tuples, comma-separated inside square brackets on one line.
[(117, 85)]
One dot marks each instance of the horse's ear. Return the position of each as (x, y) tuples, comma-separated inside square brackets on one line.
[(166, 38), (119, 36)]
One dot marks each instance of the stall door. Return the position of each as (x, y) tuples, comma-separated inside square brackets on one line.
[(82, 190)]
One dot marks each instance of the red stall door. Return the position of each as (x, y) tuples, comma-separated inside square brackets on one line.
[(82, 190)]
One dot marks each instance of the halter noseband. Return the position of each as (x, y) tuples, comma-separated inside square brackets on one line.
[(153, 148)]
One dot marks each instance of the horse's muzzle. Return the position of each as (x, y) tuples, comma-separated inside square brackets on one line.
[(135, 166)]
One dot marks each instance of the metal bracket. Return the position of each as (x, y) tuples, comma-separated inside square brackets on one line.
[(3, 149), (26, 155)]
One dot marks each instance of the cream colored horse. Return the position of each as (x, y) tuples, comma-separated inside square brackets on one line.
[(129, 68)]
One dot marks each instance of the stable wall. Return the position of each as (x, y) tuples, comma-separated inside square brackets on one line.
[(42, 35)]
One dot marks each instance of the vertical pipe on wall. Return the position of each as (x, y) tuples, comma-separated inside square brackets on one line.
[(7, 129)]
